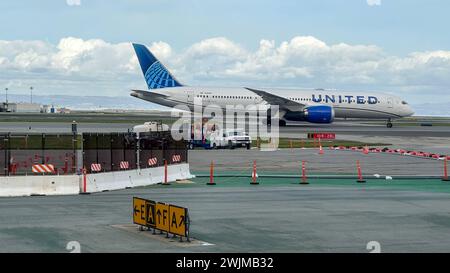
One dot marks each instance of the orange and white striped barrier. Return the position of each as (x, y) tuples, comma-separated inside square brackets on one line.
[(176, 158), (96, 167), (152, 161), (43, 168), (124, 165)]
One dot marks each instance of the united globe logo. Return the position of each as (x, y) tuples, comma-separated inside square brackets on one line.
[(157, 76)]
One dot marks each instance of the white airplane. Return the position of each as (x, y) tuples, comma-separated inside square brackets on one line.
[(311, 105)]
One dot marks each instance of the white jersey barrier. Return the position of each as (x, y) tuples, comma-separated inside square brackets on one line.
[(74, 184), (39, 185), (106, 181)]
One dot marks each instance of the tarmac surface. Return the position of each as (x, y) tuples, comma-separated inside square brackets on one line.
[(292, 130), (288, 162), (275, 216), (279, 215)]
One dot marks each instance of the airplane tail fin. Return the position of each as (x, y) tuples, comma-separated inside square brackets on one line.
[(155, 73)]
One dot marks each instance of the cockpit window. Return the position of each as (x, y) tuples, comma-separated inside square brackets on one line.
[(404, 102)]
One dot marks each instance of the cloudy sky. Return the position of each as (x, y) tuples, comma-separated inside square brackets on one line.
[(82, 47)]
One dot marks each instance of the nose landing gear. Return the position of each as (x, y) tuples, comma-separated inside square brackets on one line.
[(389, 123)]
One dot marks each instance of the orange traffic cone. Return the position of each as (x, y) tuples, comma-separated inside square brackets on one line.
[(366, 150), (360, 177), (254, 174), (304, 182), (211, 174), (445, 177), (320, 148)]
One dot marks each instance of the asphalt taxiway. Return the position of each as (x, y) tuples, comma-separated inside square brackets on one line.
[(278, 215), (292, 130), (275, 216)]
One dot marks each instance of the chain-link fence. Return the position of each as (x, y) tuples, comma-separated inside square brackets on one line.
[(20, 152), (23, 154), (119, 151)]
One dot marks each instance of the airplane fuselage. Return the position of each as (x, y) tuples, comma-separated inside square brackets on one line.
[(345, 104)]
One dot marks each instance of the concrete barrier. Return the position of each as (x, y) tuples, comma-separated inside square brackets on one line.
[(39, 185), (133, 178), (74, 184)]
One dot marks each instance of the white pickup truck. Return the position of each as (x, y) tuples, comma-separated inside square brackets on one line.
[(230, 139)]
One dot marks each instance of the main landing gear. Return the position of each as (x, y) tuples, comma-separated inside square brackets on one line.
[(389, 123)]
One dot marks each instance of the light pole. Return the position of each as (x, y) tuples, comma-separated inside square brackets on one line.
[(6, 90), (31, 92)]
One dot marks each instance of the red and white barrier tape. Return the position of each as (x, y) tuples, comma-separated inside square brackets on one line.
[(43, 168), (124, 165), (95, 167), (152, 161)]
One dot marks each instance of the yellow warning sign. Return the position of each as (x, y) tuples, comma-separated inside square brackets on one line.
[(162, 216), (139, 211), (151, 216), (165, 217), (178, 218)]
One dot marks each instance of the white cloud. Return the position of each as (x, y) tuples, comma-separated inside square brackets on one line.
[(95, 66), (73, 2), (374, 2)]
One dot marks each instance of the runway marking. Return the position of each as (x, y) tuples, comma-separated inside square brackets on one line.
[(171, 241)]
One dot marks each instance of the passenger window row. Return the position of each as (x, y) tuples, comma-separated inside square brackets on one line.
[(227, 97)]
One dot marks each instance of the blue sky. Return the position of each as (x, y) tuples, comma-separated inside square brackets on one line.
[(398, 26), (395, 46)]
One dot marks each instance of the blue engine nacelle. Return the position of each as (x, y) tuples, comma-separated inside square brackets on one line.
[(319, 114)]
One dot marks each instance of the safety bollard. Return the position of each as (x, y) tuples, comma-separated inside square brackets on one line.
[(84, 191), (304, 181), (211, 174), (360, 177), (165, 173), (445, 177), (254, 174)]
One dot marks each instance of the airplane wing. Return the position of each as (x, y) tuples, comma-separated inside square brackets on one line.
[(282, 103), (145, 93)]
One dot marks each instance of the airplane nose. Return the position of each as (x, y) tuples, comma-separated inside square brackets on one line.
[(409, 111)]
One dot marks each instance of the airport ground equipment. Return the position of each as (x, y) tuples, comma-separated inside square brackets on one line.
[(199, 135)]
